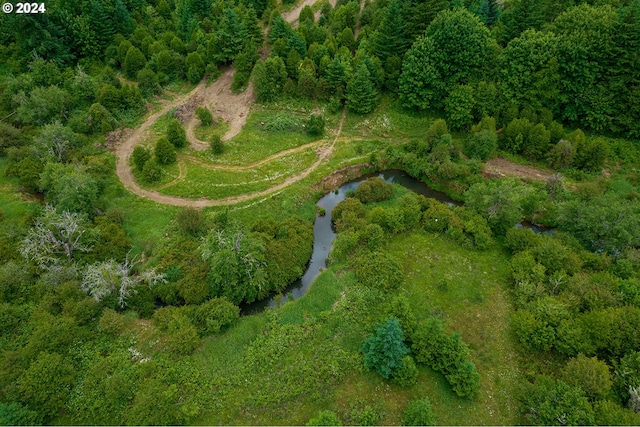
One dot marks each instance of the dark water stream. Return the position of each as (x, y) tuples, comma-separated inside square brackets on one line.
[(323, 233)]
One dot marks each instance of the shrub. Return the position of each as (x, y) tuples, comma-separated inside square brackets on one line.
[(378, 270), (325, 418), (151, 172), (519, 239), (148, 82), (447, 354), (191, 221), (176, 134), (111, 322), (140, 157), (384, 351), (407, 374), (204, 115), (361, 414), (215, 314), (315, 125), (217, 146), (373, 190), (165, 152), (590, 374), (418, 413), (481, 145)]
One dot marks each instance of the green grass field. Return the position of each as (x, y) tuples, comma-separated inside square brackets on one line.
[(327, 326)]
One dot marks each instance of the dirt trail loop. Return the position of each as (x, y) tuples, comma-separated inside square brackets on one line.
[(233, 108), (131, 185)]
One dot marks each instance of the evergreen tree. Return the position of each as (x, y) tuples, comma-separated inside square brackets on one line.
[(293, 62), (390, 38), (362, 97), (122, 18), (383, 352), (522, 15), (418, 14), (165, 152), (101, 24), (140, 157), (269, 78), (195, 67), (176, 134), (134, 61)]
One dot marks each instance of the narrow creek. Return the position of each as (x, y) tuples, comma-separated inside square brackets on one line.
[(323, 233)]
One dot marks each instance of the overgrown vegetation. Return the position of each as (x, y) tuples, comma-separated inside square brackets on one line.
[(116, 310)]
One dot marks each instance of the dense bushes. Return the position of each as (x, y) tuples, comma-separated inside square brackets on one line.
[(378, 270), (419, 413), (446, 354), (373, 190)]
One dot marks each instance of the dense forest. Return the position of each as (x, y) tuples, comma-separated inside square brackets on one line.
[(129, 279)]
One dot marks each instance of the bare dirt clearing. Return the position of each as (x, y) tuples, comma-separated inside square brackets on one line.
[(500, 168)]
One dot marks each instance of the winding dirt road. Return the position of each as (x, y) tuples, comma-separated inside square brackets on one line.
[(233, 108)]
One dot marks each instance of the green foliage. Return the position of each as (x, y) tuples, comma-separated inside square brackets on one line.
[(529, 69), (315, 125), (407, 374), (140, 156), (237, 263), (325, 418), (45, 384), (499, 201), (176, 134), (383, 352), (191, 221), (455, 50), (205, 116), (212, 316), (216, 144), (459, 107), (44, 105), (14, 414), (134, 61), (165, 152), (361, 414), (362, 97), (195, 67), (70, 188), (390, 37), (148, 82), (151, 171), (604, 223), (589, 374), (378, 270), (561, 155), (481, 145), (418, 413), (447, 354), (554, 402), (373, 190), (269, 78)]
